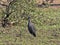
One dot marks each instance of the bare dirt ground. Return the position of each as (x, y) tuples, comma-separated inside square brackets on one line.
[(55, 4)]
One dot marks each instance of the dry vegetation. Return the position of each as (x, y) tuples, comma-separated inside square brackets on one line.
[(46, 20)]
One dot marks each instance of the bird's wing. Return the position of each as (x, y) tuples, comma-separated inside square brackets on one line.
[(33, 27)]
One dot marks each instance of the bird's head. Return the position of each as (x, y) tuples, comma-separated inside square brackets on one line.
[(28, 17)]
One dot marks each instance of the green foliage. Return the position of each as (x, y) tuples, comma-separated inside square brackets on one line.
[(46, 21)]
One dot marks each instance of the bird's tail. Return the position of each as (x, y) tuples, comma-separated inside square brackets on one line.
[(34, 34)]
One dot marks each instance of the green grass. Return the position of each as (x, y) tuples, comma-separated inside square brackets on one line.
[(47, 23)]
